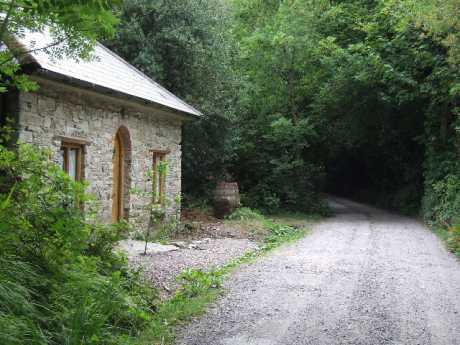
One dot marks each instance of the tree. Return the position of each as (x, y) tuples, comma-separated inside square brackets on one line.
[(276, 161), (439, 18), (74, 26), (185, 46), (61, 281), (375, 82)]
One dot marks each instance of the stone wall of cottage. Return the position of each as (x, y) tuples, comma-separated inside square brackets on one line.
[(58, 111)]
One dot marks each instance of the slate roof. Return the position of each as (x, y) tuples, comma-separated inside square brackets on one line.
[(106, 70)]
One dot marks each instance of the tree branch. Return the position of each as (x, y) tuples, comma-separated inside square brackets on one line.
[(22, 53), (7, 17)]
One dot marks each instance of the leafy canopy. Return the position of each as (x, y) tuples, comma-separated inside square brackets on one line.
[(74, 27)]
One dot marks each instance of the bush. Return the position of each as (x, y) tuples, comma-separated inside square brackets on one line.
[(245, 213), (60, 280), (281, 233), (447, 200), (453, 239), (442, 208), (197, 281), (261, 197)]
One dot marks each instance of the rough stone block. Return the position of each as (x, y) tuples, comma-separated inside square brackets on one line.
[(52, 112)]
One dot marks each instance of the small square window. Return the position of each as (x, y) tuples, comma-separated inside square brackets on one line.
[(72, 160)]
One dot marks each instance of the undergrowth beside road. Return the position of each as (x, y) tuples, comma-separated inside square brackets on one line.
[(62, 282), (451, 236), (201, 288), (441, 209)]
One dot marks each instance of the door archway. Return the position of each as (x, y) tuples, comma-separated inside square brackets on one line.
[(121, 161)]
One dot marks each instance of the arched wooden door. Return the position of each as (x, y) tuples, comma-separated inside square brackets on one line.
[(118, 169)]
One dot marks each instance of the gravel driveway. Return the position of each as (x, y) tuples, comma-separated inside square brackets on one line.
[(162, 265), (364, 277)]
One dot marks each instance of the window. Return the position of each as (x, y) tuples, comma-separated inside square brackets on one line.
[(72, 159), (159, 171)]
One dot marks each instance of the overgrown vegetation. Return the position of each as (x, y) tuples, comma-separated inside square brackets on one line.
[(73, 25), (276, 230), (61, 280), (156, 207), (246, 213), (358, 90), (186, 46), (442, 207), (355, 97)]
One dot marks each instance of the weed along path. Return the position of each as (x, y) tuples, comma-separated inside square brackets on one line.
[(363, 277)]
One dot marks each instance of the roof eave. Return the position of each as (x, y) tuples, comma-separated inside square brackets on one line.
[(186, 116)]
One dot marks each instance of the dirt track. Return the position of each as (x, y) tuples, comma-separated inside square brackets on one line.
[(363, 277)]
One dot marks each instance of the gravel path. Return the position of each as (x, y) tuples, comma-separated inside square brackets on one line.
[(162, 266), (364, 277)]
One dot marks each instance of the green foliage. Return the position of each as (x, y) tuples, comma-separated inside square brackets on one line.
[(197, 281), (160, 228), (73, 25), (353, 97), (282, 234), (186, 47), (20, 317), (276, 232), (276, 162), (446, 208), (356, 97), (437, 17), (442, 209), (245, 213), (61, 281), (198, 290), (453, 239)]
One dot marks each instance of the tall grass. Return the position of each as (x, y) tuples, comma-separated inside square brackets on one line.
[(20, 313), (61, 283), (60, 280)]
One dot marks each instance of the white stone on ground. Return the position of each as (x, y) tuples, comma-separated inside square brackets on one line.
[(164, 263), (134, 248)]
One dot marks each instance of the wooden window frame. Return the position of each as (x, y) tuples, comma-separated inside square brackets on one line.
[(158, 182), (66, 146)]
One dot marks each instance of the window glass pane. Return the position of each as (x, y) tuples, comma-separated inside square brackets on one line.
[(62, 154), (73, 163)]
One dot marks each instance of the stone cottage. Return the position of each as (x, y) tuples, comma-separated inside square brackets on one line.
[(106, 123)]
